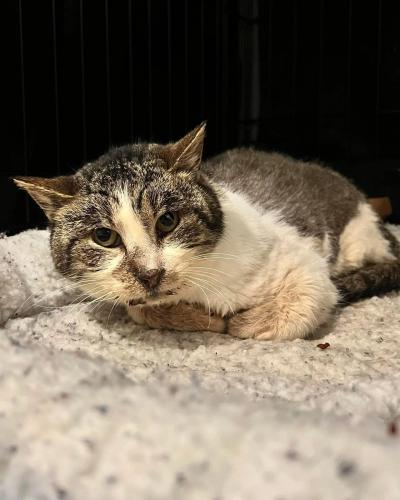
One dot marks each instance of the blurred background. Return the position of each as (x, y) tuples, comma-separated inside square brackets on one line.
[(314, 79)]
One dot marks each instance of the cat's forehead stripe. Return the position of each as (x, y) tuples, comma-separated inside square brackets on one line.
[(128, 224)]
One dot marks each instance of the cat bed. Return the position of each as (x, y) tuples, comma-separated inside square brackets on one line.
[(95, 407)]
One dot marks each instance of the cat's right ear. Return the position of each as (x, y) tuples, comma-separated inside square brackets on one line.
[(185, 155), (50, 194)]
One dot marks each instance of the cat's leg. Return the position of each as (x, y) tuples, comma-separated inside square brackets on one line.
[(294, 308), (371, 279), (365, 241), (181, 316), (368, 263)]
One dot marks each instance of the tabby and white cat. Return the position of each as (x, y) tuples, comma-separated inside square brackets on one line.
[(251, 243)]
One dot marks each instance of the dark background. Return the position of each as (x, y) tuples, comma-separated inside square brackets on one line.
[(315, 79)]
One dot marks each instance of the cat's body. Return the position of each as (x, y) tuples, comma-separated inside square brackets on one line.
[(261, 245), (317, 201)]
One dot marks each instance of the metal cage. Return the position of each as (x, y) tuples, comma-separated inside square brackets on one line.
[(315, 79)]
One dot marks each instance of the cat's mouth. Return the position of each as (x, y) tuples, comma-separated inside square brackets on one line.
[(152, 298)]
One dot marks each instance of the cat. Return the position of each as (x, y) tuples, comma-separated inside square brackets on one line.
[(250, 243)]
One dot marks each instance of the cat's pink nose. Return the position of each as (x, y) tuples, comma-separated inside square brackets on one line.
[(150, 278)]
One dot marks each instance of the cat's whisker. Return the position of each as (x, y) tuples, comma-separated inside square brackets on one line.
[(210, 269), (94, 291), (209, 276), (199, 270), (195, 277), (74, 303), (21, 306), (207, 254), (220, 293), (187, 265), (85, 273), (99, 304), (214, 257), (67, 288), (83, 299), (100, 300), (116, 301), (86, 282), (208, 300), (103, 291), (85, 295), (32, 295), (105, 301), (215, 290), (217, 254)]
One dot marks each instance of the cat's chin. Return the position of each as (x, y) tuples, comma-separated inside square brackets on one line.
[(153, 300)]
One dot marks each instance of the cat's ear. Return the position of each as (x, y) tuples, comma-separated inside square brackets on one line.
[(186, 154), (50, 194)]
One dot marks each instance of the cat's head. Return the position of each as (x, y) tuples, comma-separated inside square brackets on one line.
[(129, 224)]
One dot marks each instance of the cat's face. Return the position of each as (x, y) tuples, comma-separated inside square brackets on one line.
[(129, 225)]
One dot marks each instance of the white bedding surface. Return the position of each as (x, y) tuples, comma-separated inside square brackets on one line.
[(94, 407)]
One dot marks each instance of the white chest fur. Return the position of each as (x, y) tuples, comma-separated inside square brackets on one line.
[(255, 253)]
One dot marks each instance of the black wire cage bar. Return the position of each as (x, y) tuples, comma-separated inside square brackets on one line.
[(316, 79)]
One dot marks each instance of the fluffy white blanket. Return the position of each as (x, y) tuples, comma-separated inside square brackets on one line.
[(93, 407)]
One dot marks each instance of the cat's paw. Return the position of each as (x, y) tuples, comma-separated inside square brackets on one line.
[(261, 323), (151, 317), (295, 308), (137, 314), (181, 316), (268, 332)]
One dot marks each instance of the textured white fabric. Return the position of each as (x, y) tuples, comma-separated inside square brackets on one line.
[(94, 407)]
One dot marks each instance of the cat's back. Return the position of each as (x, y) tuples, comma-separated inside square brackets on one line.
[(313, 198)]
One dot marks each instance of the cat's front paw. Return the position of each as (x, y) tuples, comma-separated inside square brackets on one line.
[(181, 316), (251, 334), (262, 323), (269, 334), (137, 314), (266, 332), (298, 305)]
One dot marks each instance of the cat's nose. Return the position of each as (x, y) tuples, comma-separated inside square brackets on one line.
[(150, 278)]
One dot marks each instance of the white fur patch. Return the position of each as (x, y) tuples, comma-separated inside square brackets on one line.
[(129, 225), (258, 256), (362, 241), (176, 257), (101, 284), (134, 234)]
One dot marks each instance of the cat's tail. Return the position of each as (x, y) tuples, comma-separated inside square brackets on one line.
[(375, 278), (370, 280)]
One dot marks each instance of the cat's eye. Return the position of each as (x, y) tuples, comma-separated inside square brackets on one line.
[(106, 237), (167, 222)]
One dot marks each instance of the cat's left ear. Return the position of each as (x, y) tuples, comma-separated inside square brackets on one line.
[(186, 154), (50, 194)]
